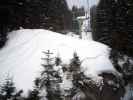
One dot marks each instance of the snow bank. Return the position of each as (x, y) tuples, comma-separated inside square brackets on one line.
[(21, 57), (71, 34)]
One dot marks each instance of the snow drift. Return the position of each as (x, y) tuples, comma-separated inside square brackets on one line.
[(21, 57)]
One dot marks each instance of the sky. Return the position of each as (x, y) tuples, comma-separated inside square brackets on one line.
[(80, 3)]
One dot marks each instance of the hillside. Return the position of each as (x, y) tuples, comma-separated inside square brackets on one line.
[(21, 57)]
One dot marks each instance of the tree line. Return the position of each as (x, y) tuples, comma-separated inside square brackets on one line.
[(112, 24), (48, 85), (33, 14)]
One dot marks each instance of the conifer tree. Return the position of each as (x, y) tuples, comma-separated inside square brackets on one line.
[(50, 78), (113, 21), (75, 63), (58, 61), (34, 14), (34, 94), (93, 20), (77, 75), (8, 91), (126, 68), (123, 27), (105, 21)]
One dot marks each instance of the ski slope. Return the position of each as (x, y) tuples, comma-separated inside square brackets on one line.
[(21, 57)]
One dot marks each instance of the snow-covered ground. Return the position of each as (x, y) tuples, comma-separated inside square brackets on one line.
[(71, 34), (21, 57)]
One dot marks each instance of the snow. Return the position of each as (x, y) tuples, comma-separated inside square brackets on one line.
[(71, 34), (59, 70), (81, 17), (21, 57)]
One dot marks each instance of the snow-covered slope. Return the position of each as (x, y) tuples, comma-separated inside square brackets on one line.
[(21, 57)]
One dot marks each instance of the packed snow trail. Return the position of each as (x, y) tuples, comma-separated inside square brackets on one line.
[(85, 28), (21, 57)]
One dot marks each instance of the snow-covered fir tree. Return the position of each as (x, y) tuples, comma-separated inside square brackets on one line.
[(75, 75), (8, 91), (50, 80), (34, 94)]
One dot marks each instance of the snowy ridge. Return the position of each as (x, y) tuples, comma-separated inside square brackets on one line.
[(21, 57)]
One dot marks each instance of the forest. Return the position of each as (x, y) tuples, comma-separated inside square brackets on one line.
[(28, 27)]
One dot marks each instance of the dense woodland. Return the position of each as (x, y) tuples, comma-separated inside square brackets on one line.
[(53, 15), (111, 23), (15, 14)]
